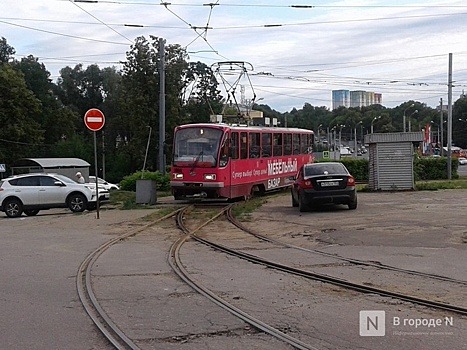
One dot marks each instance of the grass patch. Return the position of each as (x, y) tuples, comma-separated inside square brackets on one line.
[(441, 185), (243, 210)]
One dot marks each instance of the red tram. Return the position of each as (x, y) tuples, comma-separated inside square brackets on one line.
[(224, 161)]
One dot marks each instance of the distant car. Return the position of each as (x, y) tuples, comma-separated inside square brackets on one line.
[(323, 183), (30, 193), (462, 160), (102, 183)]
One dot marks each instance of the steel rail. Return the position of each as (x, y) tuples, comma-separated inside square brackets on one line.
[(177, 266), (89, 300), (235, 222), (332, 280)]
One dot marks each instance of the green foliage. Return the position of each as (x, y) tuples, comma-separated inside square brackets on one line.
[(21, 134), (162, 181), (441, 185), (425, 168), (357, 167), (428, 168)]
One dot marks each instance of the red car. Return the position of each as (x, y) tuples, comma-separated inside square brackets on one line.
[(324, 183)]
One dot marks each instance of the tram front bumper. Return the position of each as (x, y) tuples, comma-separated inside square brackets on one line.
[(205, 184)]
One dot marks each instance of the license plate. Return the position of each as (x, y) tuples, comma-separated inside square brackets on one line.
[(329, 183)]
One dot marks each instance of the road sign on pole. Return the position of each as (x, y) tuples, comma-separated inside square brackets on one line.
[(94, 119)]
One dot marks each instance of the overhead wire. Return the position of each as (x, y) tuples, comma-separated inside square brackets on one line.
[(204, 33), (194, 28), (97, 19)]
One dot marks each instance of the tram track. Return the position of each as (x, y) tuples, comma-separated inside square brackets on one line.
[(178, 267), (103, 322), (120, 341), (333, 280), (232, 219)]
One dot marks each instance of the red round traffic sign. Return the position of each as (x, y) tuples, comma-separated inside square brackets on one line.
[(94, 119)]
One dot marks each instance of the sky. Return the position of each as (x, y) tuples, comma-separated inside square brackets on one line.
[(295, 52)]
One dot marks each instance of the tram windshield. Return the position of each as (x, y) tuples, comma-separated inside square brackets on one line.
[(197, 146)]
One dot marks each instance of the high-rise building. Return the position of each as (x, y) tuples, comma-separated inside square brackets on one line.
[(340, 98), (346, 98)]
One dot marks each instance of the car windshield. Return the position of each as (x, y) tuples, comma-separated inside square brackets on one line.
[(322, 168)]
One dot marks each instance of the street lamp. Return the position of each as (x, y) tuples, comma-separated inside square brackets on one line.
[(403, 119), (333, 137), (437, 134), (410, 119), (375, 118), (355, 140), (340, 135)]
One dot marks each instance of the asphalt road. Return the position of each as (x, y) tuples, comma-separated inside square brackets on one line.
[(40, 257)]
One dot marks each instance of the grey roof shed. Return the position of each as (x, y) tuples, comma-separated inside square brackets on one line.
[(391, 160), (65, 166)]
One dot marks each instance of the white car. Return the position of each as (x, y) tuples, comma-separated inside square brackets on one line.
[(462, 160), (30, 193), (102, 183)]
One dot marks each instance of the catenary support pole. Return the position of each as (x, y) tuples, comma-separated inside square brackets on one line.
[(162, 106)]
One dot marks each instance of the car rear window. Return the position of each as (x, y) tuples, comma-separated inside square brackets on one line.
[(321, 168), (27, 181)]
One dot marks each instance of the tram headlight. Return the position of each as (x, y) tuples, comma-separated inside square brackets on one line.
[(178, 176), (210, 177)]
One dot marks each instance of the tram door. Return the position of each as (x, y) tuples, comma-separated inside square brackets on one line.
[(234, 164), (225, 164)]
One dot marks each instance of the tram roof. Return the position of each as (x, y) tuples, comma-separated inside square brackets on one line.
[(244, 127)]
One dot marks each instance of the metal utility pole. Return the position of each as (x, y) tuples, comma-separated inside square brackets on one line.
[(449, 140), (441, 126), (161, 106)]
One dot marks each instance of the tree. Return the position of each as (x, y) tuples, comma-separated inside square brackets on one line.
[(459, 122), (20, 135), (6, 51), (58, 121)]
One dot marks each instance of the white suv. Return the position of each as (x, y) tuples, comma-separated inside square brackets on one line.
[(102, 183), (30, 193)]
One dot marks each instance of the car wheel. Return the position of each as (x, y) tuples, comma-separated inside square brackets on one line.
[(13, 208), (353, 204), (302, 206), (294, 201), (77, 203), (31, 212)]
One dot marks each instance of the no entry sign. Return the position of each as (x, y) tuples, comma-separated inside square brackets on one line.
[(94, 119)]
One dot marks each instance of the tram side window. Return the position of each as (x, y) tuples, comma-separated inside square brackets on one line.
[(309, 143), (243, 145), (287, 144), (254, 144), (296, 144), (224, 154), (304, 143), (234, 145), (277, 144), (266, 145)]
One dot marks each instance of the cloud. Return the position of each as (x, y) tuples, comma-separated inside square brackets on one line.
[(400, 50)]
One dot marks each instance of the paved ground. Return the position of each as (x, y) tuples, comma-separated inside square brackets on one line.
[(40, 256)]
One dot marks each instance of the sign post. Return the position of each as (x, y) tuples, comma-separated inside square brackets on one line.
[(94, 120)]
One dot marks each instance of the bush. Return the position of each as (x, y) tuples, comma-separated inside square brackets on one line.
[(427, 168), (357, 167), (162, 181)]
